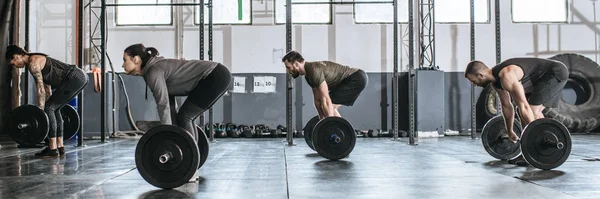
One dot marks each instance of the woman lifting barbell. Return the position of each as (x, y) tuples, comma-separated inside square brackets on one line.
[(203, 82), (68, 81)]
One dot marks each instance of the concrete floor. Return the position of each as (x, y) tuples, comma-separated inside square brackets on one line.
[(449, 167)]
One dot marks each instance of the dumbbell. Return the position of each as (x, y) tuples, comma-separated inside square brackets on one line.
[(246, 130), (332, 137), (257, 131), (167, 156), (282, 128), (275, 133), (220, 130), (266, 130), (545, 143), (29, 124), (358, 132), (232, 130), (373, 133), (261, 130)]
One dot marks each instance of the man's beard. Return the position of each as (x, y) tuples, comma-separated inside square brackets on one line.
[(295, 75)]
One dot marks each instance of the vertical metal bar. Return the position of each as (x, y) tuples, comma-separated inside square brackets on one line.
[(432, 33), (298, 101), (80, 40), (595, 32), (411, 76), (90, 34), (201, 35), (498, 36), (210, 57), (114, 101), (14, 37), (473, 100), (179, 30), (418, 39), (102, 69), (384, 103), (498, 45), (401, 61), (13, 28), (26, 71), (395, 87), (288, 82)]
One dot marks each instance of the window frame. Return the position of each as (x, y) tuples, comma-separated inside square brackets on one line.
[(567, 18), (129, 25), (377, 23), (488, 21), (227, 24), (299, 23)]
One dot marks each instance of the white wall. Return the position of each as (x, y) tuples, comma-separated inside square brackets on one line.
[(257, 48), (51, 28)]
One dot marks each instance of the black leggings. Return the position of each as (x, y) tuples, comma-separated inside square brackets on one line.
[(202, 97), (75, 82)]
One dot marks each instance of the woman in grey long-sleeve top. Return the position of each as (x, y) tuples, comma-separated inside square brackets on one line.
[(203, 82)]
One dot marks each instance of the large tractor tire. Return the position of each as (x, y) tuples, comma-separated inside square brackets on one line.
[(579, 110)]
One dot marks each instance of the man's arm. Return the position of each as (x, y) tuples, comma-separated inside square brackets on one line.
[(317, 101), (323, 101), (35, 67), (511, 83), (157, 83), (16, 88), (508, 111)]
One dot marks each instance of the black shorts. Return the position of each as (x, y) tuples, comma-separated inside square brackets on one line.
[(349, 89), (547, 91)]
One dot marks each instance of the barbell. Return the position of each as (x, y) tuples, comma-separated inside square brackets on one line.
[(167, 156), (29, 124), (545, 143), (332, 137)]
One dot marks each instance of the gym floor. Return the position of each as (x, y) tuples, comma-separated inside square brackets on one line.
[(448, 167)]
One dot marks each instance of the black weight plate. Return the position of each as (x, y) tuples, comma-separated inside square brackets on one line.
[(203, 146), (326, 132), (175, 172), (37, 128), (308, 129), (536, 152), (70, 121), (491, 135)]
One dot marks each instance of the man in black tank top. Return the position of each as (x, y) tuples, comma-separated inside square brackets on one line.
[(533, 84), (67, 80)]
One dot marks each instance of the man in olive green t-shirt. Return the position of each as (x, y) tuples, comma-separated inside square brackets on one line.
[(333, 84)]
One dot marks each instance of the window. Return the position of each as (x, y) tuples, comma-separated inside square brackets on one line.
[(380, 13), (459, 11), (227, 12), (532, 11), (304, 14), (143, 15)]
